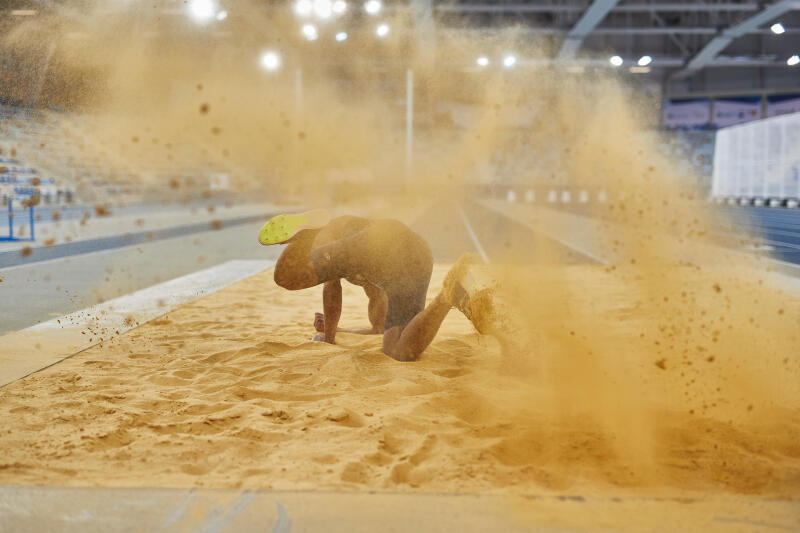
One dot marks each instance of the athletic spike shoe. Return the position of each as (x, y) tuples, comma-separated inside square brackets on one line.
[(481, 311), (452, 282), (477, 305), (281, 228)]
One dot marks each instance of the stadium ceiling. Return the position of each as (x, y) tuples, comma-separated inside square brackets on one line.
[(695, 44), (684, 38)]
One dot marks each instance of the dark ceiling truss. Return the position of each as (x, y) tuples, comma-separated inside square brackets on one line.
[(709, 52), (696, 31), (580, 7)]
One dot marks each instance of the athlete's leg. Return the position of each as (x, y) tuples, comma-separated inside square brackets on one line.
[(377, 308), (406, 343)]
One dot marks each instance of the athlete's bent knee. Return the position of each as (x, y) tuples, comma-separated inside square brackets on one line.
[(287, 280), (397, 355), (394, 348)]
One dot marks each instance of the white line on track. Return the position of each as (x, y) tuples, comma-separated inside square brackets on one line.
[(30, 350), (126, 247), (536, 229), (152, 302), (472, 235), (87, 254), (572, 246)]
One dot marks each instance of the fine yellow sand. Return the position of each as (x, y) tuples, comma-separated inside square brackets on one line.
[(230, 391)]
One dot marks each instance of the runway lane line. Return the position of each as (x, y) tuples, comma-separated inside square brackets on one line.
[(40, 253), (536, 229), (472, 235)]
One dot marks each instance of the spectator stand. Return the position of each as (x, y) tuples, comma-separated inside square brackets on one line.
[(31, 197)]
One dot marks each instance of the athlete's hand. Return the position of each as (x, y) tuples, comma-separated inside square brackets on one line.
[(319, 322)]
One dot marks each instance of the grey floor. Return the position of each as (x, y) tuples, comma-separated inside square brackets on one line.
[(39, 291)]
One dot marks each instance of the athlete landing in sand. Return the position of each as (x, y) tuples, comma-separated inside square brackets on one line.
[(392, 263)]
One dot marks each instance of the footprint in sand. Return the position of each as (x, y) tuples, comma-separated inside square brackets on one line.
[(22, 409), (391, 445), (326, 459), (142, 356), (451, 372), (343, 417), (206, 409), (219, 357), (288, 377), (272, 348), (356, 473), (379, 459), (114, 439), (195, 469), (406, 473), (165, 380), (185, 374)]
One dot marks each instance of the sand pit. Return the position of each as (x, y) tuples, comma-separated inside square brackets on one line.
[(230, 392), (660, 369)]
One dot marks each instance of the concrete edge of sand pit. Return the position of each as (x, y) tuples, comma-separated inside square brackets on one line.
[(88, 509), (38, 347)]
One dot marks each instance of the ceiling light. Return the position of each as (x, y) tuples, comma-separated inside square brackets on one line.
[(382, 30), (23, 12), (339, 6), (323, 8), (222, 15), (509, 61), (483, 61), (304, 7), (644, 61), (341, 36), (794, 60), (270, 60), (310, 32), (372, 7), (777, 28), (201, 10), (616, 61)]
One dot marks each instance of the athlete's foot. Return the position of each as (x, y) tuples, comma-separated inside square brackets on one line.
[(481, 307), (279, 229), (453, 290), (477, 305)]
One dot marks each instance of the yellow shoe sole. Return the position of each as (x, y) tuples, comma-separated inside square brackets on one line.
[(281, 228)]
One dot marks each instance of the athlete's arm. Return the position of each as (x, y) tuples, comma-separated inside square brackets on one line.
[(332, 307)]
